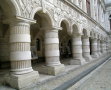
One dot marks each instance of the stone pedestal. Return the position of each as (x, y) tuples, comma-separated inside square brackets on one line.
[(21, 74), (77, 51), (52, 70), (23, 80), (86, 48)]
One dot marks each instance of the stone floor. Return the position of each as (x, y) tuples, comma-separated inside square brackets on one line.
[(37, 67), (100, 79)]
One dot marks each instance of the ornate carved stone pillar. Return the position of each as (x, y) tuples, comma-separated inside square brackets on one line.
[(21, 74), (77, 51), (53, 65), (86, 48), (94, 48)]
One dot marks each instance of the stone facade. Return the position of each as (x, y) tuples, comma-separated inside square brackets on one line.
[(57, 29)]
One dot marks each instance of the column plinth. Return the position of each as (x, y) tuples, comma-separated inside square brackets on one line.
[(21, 74), (77, 51)]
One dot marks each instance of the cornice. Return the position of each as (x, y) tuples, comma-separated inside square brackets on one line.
[(84, 14)]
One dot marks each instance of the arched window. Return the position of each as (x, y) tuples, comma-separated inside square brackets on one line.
[(38, 44), (88, 7), (110, 21)]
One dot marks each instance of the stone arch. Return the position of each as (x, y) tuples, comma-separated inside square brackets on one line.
[(10, 8), (76, 29), (92, 34), (85, 32), (66, 22), (98, 36), (44, 22), (45, 16), (95, 34)]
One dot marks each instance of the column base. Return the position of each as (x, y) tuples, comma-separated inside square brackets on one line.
[(88, 58), (21, 81), (52, 70), (95, 56), (78, 61)]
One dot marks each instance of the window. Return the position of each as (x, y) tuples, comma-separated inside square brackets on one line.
[(88, 7), (38, 44)]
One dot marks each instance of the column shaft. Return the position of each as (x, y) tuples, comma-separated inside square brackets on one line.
[(86, 49), (20, 54), (102, 46), (99, 47), (53, 65), (94, 48), (52, 48), (77, 51)]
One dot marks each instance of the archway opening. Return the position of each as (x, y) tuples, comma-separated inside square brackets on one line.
[(90, 42), (43, 23), (110, 21), (4, 42), (65, 42)]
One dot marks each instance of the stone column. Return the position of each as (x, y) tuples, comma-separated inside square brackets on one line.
[(21, 74), (94, 48), (99, 47), (102, 46), (107, 46), (77, 51), (52, 54), (84, 5), (86, 48)]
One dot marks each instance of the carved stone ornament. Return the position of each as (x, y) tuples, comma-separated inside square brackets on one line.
[(57, 14), (27, 6)]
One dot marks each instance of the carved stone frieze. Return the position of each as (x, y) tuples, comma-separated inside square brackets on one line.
[(27, 6)]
